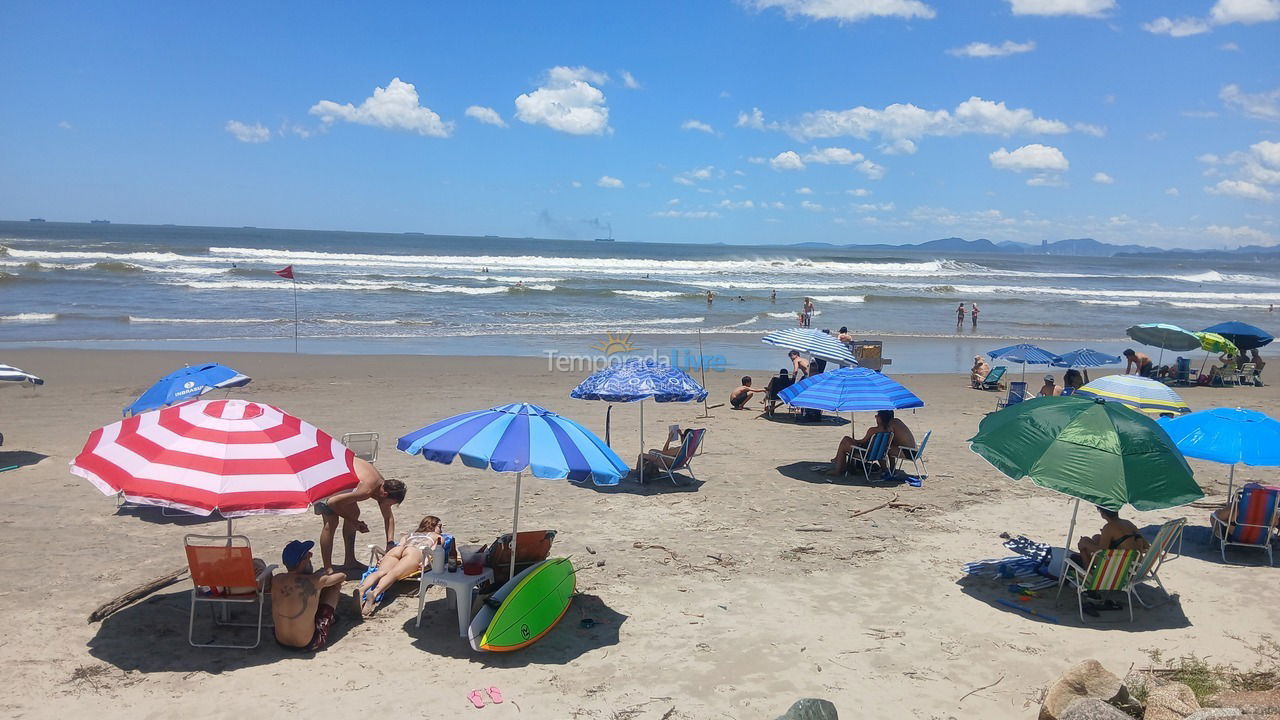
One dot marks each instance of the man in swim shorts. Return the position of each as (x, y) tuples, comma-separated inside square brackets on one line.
[(344, 507), (1139, 362), (303, 603)]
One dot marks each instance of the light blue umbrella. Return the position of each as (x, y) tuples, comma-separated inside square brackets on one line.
[(636, 380), (1085, 358), (814, 342), (1228, 436), (516, 438), (1026, 354), (850, 390), (1165, 337), (187, 383)]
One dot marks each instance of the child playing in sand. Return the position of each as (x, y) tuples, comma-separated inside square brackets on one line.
[(738, 398)]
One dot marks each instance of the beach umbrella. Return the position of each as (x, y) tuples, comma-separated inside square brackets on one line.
[(850, 390), (1100, 452), (1025, 354), (231, 456), (637, 380), (1085, 358), (518, 438), (1244, 335), (187, 383), (1164, 336), (1139, 393), (814, 342), (1228, 436), (9, 373), (1215, 343)]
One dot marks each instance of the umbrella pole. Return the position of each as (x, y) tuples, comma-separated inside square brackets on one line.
[(1071, 530), (641, 441), (515, 529), (1231, 482)]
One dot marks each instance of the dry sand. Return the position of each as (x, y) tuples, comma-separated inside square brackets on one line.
[(709, 601)]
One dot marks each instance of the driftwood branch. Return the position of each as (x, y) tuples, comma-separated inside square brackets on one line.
[(984, 687), (881, 506), (137, 594)]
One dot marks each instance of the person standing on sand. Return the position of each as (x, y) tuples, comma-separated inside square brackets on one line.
[(345, 507), (960, 316), (304, 603), (973, 315)]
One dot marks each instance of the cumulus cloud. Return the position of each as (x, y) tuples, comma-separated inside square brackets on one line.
[(1240, 234), (1254, 171), (1172, 191), (832, 156), (753, 119), (245, 133), (395, 107), (692, 214), (567, 101), (901, 146), (844, 11), (811, 206), (697, 125), (1103, 179), (1262, 106), (859, 192), (1247, 12), (1241, 189), (899, 121), (606, 181), (985, 50), (736, 205), (1034, 157), (1182, 27), (787, 160), (1086, 8), (804, 191), (486, 115), (691, 177), (629, 81), (64, 125)]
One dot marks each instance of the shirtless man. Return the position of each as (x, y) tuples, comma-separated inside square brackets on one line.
[(303, 603), (738, 398), (845, 337), (885, 422), (1139, 362), (1050, 388), (345, 506), (799, 366)]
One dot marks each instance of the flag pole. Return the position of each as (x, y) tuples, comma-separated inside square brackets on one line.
[(294, 280)]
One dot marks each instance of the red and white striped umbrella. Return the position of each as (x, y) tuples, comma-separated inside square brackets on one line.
[(234, 456)]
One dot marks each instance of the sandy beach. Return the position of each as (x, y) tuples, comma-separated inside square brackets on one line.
[(731, 598)]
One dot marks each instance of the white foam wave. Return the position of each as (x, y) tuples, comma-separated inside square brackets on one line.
[(1217, 306), (29, 317), (668, 321), (790, 315), (840, 298), (1120, 303), (347, 286), (748, 321), (209, 321), (1084, 292), (650, 294), (1213, 276)]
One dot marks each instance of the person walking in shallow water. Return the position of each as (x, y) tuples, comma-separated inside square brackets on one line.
[(807, 313), (960, 316), (973, 315)]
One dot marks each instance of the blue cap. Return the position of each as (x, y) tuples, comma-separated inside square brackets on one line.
[(294, 552)]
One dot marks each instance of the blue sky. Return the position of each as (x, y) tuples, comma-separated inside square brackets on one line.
[(848, 121)]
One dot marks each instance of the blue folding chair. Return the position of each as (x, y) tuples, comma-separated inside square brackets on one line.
[(916, 455), (1017, 393), (876, 451)]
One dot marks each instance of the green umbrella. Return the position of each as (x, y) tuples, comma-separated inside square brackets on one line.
[(1213, 342), (1096, 451)]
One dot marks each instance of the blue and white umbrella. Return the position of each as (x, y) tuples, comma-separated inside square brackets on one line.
[(850, 390), (1085, 358), (1227, 436), (517, 438), (814, 342), (10, 373), (1025, 354), (187, 383), (636, 380)]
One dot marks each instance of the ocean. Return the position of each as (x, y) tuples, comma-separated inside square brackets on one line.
[(174, 287)]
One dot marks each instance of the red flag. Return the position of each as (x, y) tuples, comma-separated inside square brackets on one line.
[(286, 273)]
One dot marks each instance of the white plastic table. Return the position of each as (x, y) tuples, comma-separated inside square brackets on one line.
[(459, 588)]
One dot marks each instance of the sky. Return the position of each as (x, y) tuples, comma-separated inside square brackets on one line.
[(748, 121)]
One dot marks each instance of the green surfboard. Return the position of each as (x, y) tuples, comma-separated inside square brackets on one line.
[(532, 607)]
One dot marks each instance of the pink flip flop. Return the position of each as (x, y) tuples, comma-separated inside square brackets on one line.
[(476, 699), (495, 695)]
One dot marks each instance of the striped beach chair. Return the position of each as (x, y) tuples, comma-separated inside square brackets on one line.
[(688, 449), (1253, 514), (1169, 535), (1108, 571), (876, 451)]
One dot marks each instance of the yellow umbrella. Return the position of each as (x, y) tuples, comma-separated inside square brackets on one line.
[(1213, 342)]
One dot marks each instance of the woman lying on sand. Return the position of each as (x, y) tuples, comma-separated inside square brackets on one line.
[(399, 562)]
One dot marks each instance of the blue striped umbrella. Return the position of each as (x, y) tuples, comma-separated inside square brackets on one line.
[(814, 342), (850, 390), (515, 438), (187, 383), (1138, 393), (1084, 357), (13, 374), (1025, 354)]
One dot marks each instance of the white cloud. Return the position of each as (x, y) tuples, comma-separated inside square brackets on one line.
[(1087, 8), (1241, 189), (486, 115), (1240, 234), (606, 181), (874, 207), (832, 156), (905, 121), (1248, 12), (787, 160), (1182, 27), (692, 214), (1172, 192), (1255, 171), (872, 170), (1087, 129), (629, 81), (1034, 157), (859, 192), (568, 102), (844, 11), (395, 107), (1045, 181), (1229, 47), (753, 119), (804, 191), (255, 133), (1262, 106), (64, 125), (576, 184), (901, 146), (985, 50), (691, 177), (697, 125), (739, 205), (1103, 179), (812, 206)]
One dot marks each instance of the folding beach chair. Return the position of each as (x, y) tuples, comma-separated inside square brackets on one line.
[(1017, 393), (916, 455), (688, 449), (532, 546), (776, 385), (1068, 391), (1253, 513), (363, 444), (1182, 372), (222, 571), (992, 380), (1170, 534), (1246, 374), (1109, 570), (877, 450)]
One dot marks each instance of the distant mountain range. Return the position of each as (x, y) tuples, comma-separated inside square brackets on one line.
[(1079, 247)]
